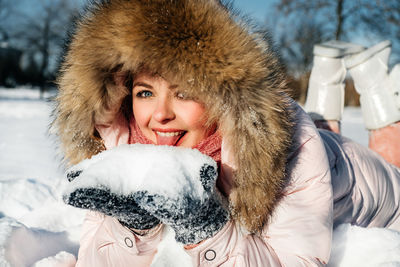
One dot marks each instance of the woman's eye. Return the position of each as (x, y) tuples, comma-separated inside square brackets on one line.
[(144, 94)]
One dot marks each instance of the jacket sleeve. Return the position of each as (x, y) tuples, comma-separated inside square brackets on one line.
[(300, 231), (105, 242)]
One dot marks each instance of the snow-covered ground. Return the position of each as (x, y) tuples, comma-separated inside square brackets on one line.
[(30, 179), (46, 231)]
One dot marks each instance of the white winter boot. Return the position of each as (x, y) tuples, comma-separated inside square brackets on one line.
[(379, 92), (325, 97), (394, 78)]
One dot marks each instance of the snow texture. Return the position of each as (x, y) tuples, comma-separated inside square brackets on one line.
[(63, 258), (362, 247), (175, 184), (157, 169), (30, 198)]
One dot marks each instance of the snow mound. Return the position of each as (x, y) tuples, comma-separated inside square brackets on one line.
[(24, 194), (62, 259), (35, 224), (156, 169), (357, 246), (25, 246)]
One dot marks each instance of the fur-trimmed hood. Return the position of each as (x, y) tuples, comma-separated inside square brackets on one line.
[(203, 46)]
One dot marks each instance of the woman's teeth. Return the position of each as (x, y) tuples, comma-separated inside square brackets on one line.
[(169, 134)]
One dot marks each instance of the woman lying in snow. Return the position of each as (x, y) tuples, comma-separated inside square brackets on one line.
[(191, 74)]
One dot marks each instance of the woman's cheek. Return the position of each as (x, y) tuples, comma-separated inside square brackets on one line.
[(141, 112), (193, 115)]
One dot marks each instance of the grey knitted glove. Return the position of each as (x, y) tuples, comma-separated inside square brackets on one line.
[(142, 185), (193, 218), (123, 208)]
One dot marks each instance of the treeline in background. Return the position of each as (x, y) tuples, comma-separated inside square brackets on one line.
[(32, 33)]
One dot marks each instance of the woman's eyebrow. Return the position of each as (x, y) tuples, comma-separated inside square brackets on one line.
[(143, 85), (173, 86)]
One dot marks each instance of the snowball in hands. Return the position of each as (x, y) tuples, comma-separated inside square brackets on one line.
[(174, 184)]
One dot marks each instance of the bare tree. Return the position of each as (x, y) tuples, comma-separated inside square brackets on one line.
[(383, 17), (5, 6), (43, 32), (297, 47), (5, 12), (334, 14), (295, 35)]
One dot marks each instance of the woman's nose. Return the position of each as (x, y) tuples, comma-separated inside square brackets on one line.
[(164, 111)]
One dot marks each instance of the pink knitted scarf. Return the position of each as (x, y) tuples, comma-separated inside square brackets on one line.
[(211, 146)]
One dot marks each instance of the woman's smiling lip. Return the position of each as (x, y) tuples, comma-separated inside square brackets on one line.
[(169, 137)]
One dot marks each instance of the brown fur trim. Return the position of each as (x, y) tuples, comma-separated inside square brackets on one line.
[(198, 45)]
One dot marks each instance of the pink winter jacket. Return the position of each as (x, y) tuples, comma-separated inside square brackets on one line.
[(331, 180)]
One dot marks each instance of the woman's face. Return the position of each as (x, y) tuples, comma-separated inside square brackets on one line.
[(164, 115)]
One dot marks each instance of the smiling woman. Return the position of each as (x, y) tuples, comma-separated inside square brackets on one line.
[(220, 89), (164, 115)]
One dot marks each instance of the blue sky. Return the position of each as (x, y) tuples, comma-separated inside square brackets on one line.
[(257, 9)]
